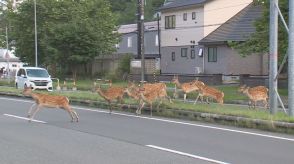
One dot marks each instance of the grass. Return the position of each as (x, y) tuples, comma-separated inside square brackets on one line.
[(230, 91), (230, 110)]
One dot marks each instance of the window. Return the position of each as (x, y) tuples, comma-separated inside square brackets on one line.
[(156, 40), (192, 54), (130, 42), (185, 16), (170, 22), (184, 52), (212, 54), (200, 52), (193, 15), (173, 56)]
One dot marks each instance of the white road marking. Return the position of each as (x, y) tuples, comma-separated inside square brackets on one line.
[(24, 118), (190, 124), (175, 122), (186, 154), (11, 99)]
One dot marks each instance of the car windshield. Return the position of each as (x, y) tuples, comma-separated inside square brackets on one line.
[(37, 73)]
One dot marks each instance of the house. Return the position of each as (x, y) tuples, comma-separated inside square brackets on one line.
[(222, 58), (9, 62), (187, 27), (128, 46)]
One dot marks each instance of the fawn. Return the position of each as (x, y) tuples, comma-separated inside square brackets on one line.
[(211, 92), (149, 93), (187, 87), (111, 94), (259, 93)]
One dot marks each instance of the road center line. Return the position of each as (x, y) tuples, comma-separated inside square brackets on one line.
[(186, 154), (24, 118), (175, 122)]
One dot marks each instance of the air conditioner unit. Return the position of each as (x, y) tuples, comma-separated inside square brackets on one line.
[(198, 70)]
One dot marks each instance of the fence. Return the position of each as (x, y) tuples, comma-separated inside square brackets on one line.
[(215, 79)]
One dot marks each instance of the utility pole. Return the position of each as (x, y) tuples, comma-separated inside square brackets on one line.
[(36, 45), (140, 28), (291, 60), (273, 56), (158, 33)]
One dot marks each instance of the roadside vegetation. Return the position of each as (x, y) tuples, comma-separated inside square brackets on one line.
[(232, 107)]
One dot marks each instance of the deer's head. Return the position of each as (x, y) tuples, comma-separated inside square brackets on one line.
[(243, 88)]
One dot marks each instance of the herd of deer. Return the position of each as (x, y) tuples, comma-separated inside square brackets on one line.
[(146, 93)]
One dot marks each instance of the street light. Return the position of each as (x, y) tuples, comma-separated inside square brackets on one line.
[(36, 46)]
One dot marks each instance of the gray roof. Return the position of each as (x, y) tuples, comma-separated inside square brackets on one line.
[(238, 28), (129, 28), (181, 3)]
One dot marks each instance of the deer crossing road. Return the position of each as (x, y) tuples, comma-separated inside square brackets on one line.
[(125, 138)]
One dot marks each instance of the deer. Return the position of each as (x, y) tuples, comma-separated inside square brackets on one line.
[(149, 93), (111, 94), (259, 93), (50, 101), (187, 87), (211, 92)]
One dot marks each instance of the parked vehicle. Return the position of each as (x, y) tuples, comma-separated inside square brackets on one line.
[(35, 77)]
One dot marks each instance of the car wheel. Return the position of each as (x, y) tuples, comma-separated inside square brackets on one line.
[(25, 86), (16, 86)]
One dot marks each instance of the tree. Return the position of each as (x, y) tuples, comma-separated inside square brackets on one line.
[(259, 41), (70, 32), (126, 10), (5, 7)]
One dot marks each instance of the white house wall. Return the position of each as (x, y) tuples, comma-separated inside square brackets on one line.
[(185, 31), (217, 12)]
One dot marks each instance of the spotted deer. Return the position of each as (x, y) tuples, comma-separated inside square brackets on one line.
[(210, 92), (50, 101), (187, 87), (111, 94), (148, 93), (255, 94)]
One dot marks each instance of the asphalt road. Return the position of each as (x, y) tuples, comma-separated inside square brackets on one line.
[(124, 138)]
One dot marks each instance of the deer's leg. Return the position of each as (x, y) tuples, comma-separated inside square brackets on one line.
[(151, 108), (120, 100), (265, 104), (249, 104), (110, 107), (70, 112), (207, 100), (197, 99), (76, 115), (31, 109), (139, 111), (185, 96), (34, 113), (139, 106)]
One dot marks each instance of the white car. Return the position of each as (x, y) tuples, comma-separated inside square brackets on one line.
[(35, 77)]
